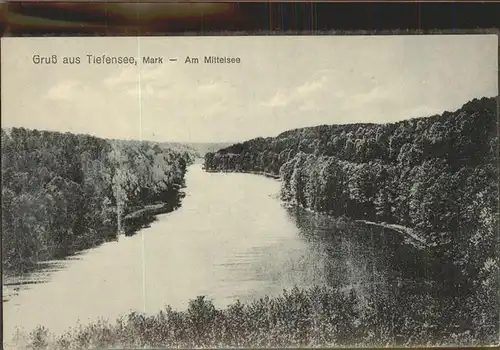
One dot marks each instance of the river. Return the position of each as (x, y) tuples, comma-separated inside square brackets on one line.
[(231, 239)]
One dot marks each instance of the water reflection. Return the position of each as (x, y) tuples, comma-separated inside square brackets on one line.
[(374, 259), (12, 285), (231, 239)]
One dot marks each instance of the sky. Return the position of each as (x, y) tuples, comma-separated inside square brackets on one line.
[(282, 83)]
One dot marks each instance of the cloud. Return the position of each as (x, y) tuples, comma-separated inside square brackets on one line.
[(376, 94), (174, 89), (127, 81), (308, 106), (310, 87), (130, 78), (66, 90), (281, 99), (340, 96), (126, 77), (161, 82), (205, 100), (300, 94)]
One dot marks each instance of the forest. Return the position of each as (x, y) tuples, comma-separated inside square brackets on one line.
[(436, 175), (63, 192)]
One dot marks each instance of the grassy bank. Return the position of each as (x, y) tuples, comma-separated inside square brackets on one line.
[(142, 217), (301, 318)]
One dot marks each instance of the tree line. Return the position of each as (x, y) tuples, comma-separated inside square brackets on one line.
[(437, 175), (63, 192)]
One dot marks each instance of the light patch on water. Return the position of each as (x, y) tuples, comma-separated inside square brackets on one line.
[(230, 240)]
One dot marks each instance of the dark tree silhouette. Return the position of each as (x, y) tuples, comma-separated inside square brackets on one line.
[(63, 192)]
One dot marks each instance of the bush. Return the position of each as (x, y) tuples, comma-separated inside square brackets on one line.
[(315, 317)]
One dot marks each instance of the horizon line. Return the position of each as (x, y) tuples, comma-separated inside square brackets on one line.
[(430, 115)]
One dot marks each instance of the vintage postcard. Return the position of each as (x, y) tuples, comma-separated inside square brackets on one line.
[(250, 191)]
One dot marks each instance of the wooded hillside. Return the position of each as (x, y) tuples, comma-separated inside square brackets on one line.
[(437, 175), (63, 192)]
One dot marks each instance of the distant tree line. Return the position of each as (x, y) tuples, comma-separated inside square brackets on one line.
[(437, 175), (63, 192)]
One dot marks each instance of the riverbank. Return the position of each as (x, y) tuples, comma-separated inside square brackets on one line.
[(413, 238), (39, 273), (140, 218), (241, 245)]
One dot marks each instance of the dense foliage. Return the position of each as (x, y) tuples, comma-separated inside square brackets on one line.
[(436, 175), (315, 317), (63, 192)]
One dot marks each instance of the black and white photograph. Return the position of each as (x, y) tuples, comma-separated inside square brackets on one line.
[(250, 191)]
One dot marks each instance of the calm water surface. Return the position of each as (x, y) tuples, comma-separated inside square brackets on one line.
[(231, 239)]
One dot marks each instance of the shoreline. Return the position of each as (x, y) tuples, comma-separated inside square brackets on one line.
[(133, 222), (414, 239), (149, 209), (138, 219)]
